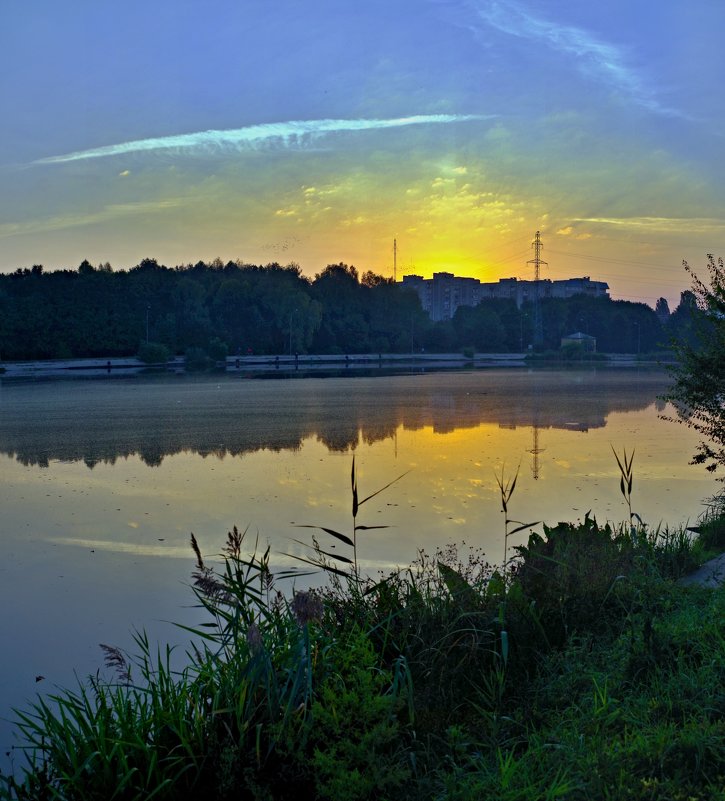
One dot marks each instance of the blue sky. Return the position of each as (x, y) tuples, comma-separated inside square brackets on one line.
[(317, 132)]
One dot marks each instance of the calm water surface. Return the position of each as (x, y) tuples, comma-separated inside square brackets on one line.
[(101, 483)]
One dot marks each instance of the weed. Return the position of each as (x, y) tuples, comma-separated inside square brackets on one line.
[(322, 557), (577, 669)]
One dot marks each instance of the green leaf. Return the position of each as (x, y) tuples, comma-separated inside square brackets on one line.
[(496, 585), (342, 537), (382, 489), (458, 586), (353, 482), (337, 556), (522, 527), (368, 528), (319, 566)]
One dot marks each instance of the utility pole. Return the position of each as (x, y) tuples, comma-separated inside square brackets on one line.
[(538, 263), (395, 260), (535, 450)]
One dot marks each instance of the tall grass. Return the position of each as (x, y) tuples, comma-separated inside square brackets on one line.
[(575, 669), (322, 557)]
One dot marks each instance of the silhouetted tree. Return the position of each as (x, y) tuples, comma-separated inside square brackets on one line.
[(699, 387)]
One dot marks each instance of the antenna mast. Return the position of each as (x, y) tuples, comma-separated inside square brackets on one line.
[(538, 263)]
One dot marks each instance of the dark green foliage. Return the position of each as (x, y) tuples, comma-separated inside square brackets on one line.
[(358, 750), (570, 576), (217, 349), (711, 528), (619, 326), (699, 375), (482, 327), (610, 684), (153, 353), (95, 311), (196, 359)]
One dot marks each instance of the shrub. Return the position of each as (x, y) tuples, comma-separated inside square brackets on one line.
[(196, 358), (355, 735), (217, 350), (569, 574), (711, 529), (153, 353)]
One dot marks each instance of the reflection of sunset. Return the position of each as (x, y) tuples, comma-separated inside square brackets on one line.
[(102, 485), (203, 455), (232, 416)]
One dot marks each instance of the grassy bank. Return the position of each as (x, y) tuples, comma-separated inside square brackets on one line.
[(579, 669)]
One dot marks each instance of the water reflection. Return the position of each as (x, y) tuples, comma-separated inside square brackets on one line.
[(91, 553), (100, 422)]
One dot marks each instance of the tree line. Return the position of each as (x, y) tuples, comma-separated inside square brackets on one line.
[(234, 308)]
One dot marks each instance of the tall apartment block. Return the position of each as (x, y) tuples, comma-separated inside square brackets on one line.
[(441, 295)]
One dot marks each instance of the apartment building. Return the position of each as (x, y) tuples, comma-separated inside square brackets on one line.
[(441, 295)]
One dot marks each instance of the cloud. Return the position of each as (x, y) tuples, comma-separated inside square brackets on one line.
[(276, 135), (663, 224), (604, 61), (110, 212)]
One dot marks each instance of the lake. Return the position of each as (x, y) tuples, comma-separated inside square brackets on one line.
[(102, 481)]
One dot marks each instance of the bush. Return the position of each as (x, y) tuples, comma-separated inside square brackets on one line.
[(579, 673), (570, 573), (153, 353), (217, 350), (196, 359), (712, 533)]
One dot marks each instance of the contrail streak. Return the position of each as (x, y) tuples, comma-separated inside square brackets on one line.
[(256, 137)]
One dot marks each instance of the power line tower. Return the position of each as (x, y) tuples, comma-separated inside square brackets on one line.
[(535, 450), (538, 263)]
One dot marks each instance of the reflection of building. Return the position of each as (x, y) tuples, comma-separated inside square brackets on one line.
[(222, 416), (441, 295)]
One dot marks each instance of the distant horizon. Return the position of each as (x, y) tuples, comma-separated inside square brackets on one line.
[(280, 132), (672, 300)]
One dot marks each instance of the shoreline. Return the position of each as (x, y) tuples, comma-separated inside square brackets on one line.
[(89, 367)]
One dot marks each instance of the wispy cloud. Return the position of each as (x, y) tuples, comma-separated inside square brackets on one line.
[(661, 224), (277, 135), (602, 60), (110, 212)]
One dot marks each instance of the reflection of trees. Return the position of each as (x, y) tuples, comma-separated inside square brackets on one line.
[(100, 422)]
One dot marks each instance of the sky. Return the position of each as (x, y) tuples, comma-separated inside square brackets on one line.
[(319, 132)]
